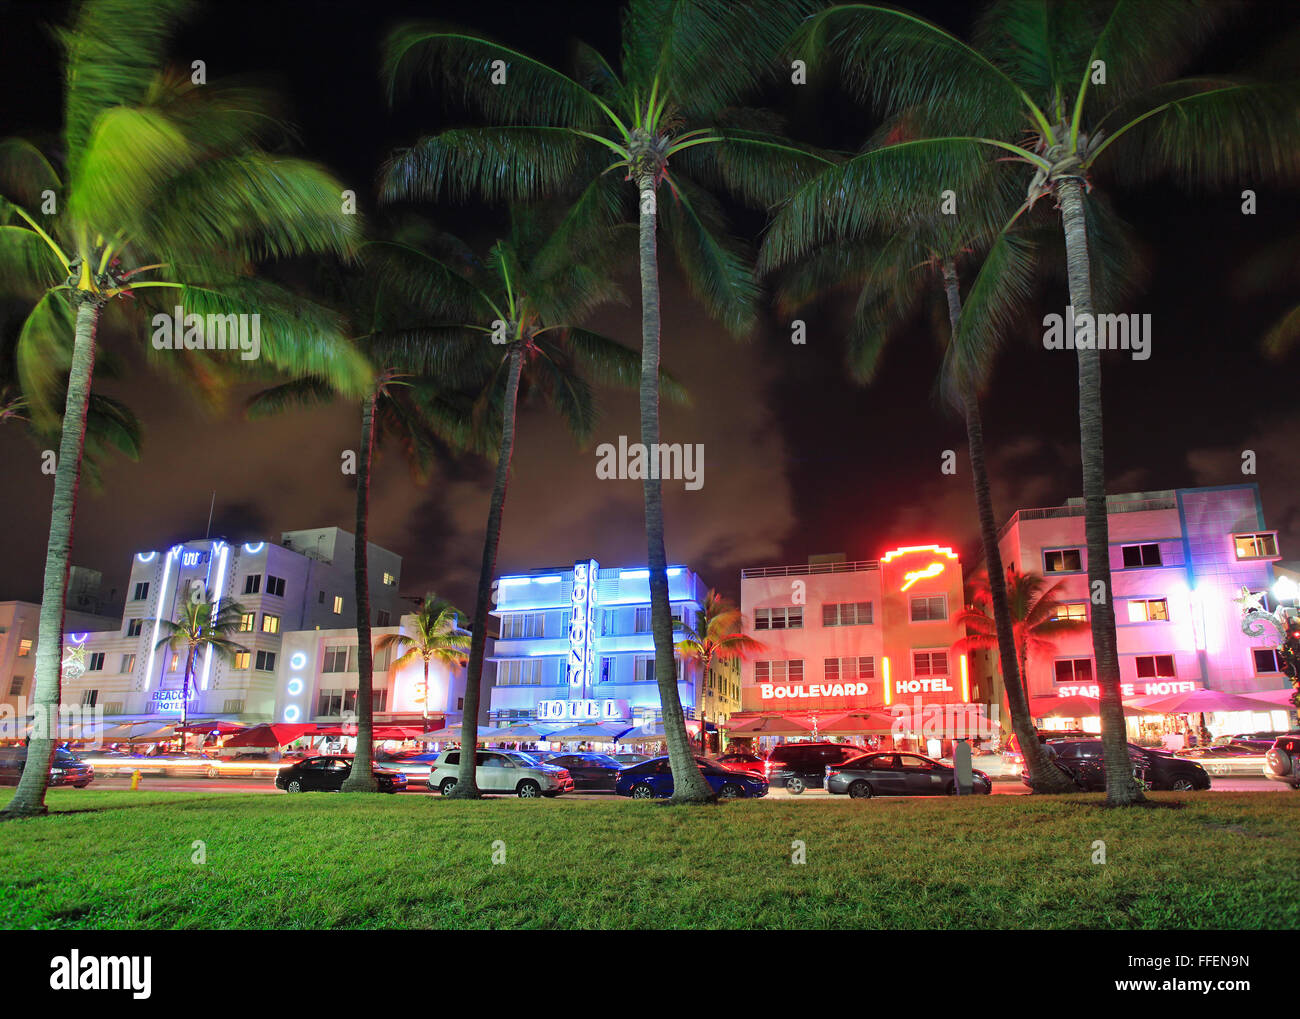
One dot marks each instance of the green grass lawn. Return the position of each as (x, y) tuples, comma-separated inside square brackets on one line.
[(122, 859)]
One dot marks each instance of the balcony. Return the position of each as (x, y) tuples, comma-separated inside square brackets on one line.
[(809, 569), (1113, 506)]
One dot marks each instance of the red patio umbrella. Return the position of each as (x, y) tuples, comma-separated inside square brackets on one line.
[(775, 724), (1281, 698), (277, 735), (866, 723), (1064, 707), (220, 728), (1197, 701)]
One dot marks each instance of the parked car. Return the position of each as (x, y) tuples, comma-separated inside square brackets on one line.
[(800, 766), (327, 774), (899, 774), (1282, 762), (631, 758), (416, 765), (754, 764), (589, 770), (1082, 760), (66, 768), (1013, 760), (1259, 742), (653, 779), (502, 771)]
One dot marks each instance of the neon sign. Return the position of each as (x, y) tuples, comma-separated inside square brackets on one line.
[(912, 576), (168, 702), (582, 623), (936, 549), (770, 691), (583, 711)]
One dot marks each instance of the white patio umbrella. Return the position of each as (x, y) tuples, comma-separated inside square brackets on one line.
[(595, 732), (453, 732), (519, 732)]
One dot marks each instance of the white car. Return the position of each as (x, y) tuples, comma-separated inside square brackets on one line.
[(503, 771)]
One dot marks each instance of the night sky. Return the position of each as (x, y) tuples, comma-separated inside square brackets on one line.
[(798, 459)]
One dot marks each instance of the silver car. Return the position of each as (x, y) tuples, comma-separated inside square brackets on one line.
[(502, 771)]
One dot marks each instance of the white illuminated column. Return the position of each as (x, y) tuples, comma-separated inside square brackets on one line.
[(172, 553), (216, 603)]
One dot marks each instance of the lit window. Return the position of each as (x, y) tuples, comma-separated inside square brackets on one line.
[(1148, 610), (270, 623), (246, 622), (1137, 556), (1256, 546), (175, 661), (1063, 560), (242, 660), (24, 648), (929, 609), (390, 580), (128, 663), (338, 604), (1075, 610), (1155, 666)]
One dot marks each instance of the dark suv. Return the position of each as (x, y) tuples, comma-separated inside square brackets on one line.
[(1282, 762), (66, 768), (799, 766), (1082, 760)]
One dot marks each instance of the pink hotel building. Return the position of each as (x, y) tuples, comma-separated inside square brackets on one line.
[(845, 635)]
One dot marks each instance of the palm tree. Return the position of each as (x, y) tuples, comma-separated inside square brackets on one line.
[(684, 66), (203, 623), (438, 637), (521, 310), (1093, 84), (1036, 620), (721, 638), (166, 196)]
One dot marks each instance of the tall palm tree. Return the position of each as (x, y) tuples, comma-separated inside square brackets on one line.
[(1035, 617), (167, 196), (684, 65), (1093, 85), (720, 638), (203, 623), (520, 312), (438, 637)]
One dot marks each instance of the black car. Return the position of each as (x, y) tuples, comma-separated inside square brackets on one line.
[(799, 766), (589, 771), (327, 774), (66, 768), (899, 774), (1082, 760), (1282, 762)]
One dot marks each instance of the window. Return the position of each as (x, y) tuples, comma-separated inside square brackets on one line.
[(1136, 556), (133, 627), (520, 672), (790, 671), (381, 618), (321, 599), (335, 702), (266, 661), (275, 586), (253, 583), (16, 686), (788, 618), (338, 604), (1074, 670), (1267, 660), (852, 669), (95, 662), (128, 663), (1155, 666), (246, 622), (336, 659), (379, 700), (270, 623), (242, 659), (390, 580), (175, 662), (642, 624), (141, 591), (1063, 560), (849, 613), (606, 669), (1148, 610), (24, 647), (1076, 610), (88, 698), (929, 663), (517, 625), (232, 707), (1256, 546), (925, 609)]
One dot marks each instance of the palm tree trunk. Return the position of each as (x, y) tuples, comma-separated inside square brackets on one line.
[(185, 691), (425, 713), (1045, 777), (1121, 787), (466, 787), (29, 797), (688, 784), (362, 777)]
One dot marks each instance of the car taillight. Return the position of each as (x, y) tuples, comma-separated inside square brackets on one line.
[(832, 772)]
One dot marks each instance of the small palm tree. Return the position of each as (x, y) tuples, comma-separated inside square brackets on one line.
[(203, 623), (164, 196), (684, 67), (438, 636), (721, 638), (1035, 612)]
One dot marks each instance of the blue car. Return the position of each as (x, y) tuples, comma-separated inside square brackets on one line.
[(653, 779)]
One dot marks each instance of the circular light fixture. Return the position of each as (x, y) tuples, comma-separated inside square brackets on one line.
[(147, 557), (254, 549), (291, 713), (295, 686), (298, 660)]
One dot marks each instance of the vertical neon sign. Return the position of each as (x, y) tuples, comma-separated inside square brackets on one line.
[(582, 622), (224, 551), (173, 553)]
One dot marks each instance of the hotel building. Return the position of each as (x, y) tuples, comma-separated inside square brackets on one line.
[(575, 645)]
